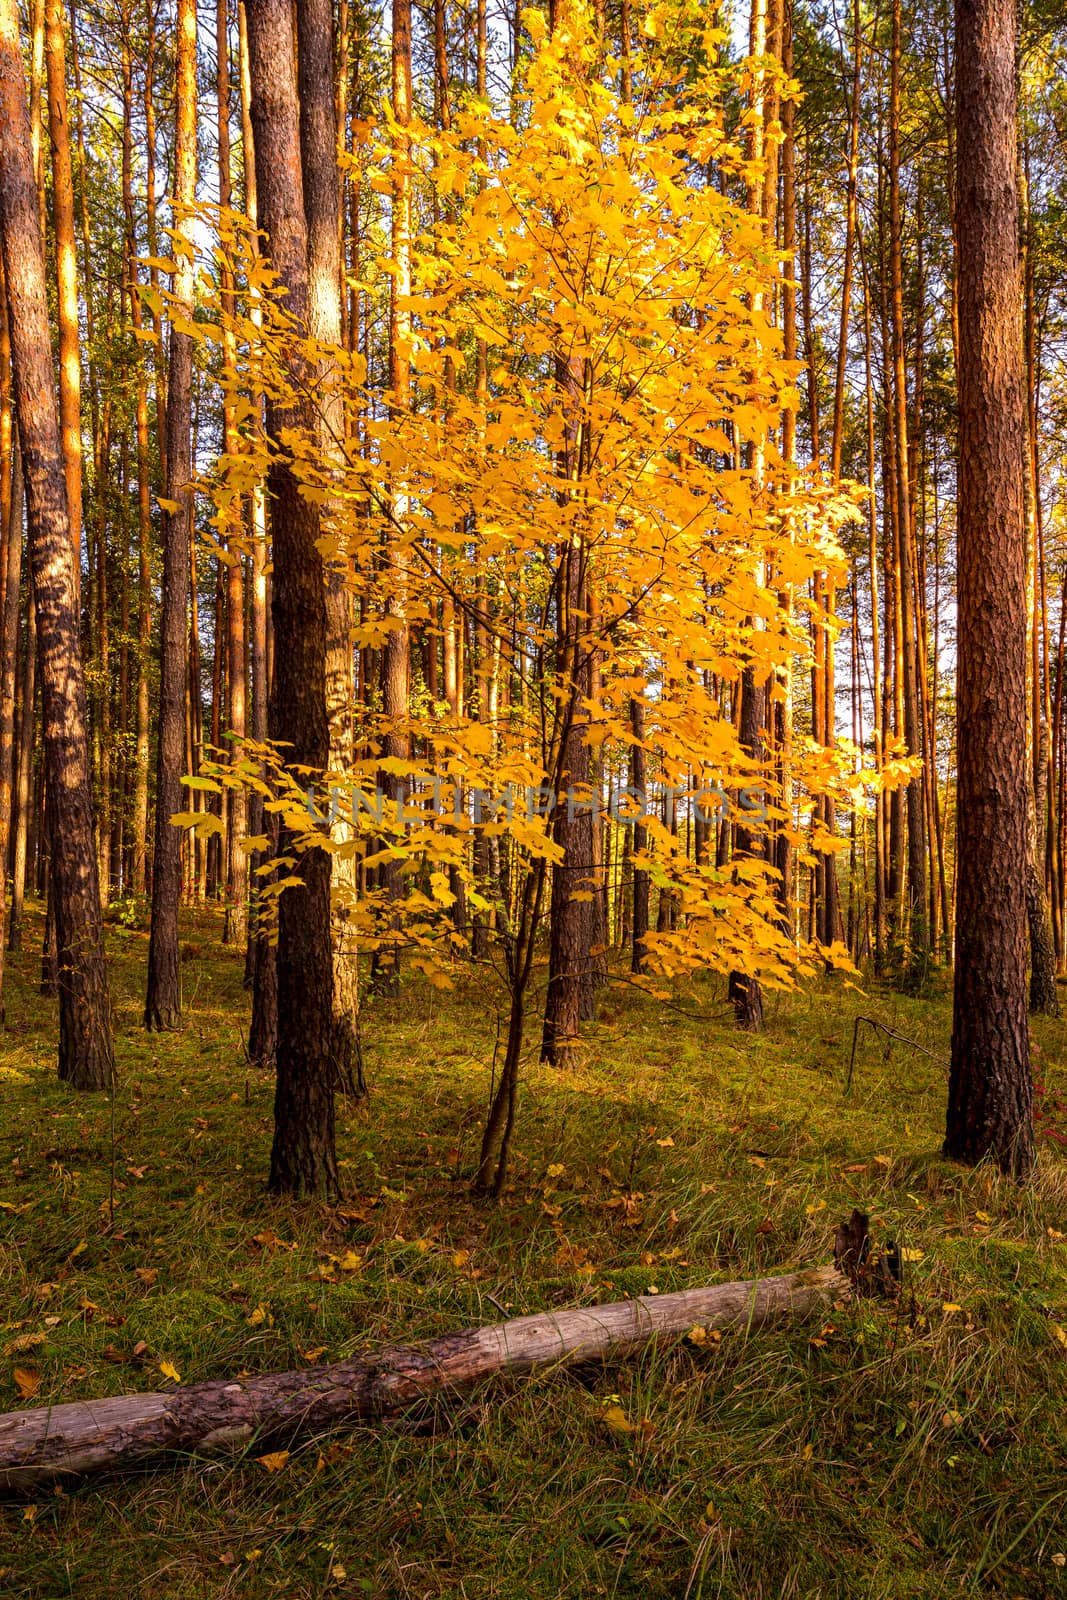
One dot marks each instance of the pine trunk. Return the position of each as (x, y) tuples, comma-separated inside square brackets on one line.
[(303, 1158), (322, 208), (990, 1092), (85, 1047), (163, 1001)]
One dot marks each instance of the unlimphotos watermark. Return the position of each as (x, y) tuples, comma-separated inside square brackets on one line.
[(443, 800)]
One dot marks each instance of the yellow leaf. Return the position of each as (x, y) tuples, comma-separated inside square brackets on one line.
[(274, 1461), (268, 1240), (27, 1381), (912, 1255), (350, 1262), (258, 1316), (666, 1143), (461, 1258), (203, 821), (556, 1170), (169, 1370), (983, 1216), (950, 1305), (616, 1419), (1059, 1334), (23, 1342)]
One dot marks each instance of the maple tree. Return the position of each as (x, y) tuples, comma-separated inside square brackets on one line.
[(586, 416)]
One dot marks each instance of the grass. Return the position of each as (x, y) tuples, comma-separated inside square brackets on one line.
[(916, 1448)]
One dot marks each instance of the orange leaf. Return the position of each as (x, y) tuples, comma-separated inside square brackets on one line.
[(27, 1381)]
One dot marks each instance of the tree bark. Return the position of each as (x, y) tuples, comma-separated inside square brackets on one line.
[(916, 927), (66, 274), (322, 208), (783, 707), (25, 697), (85, 1047), (260, 962), (569, 912), (744, 988), (92, 1436), (163, 1001), (235, 930), (139, 861), (990, 1091), (396, 650), (303, 1158), (638, 781), (9, 656)]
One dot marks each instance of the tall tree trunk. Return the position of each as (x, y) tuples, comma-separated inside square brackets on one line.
[(24, 787), (9, 651), (990, 1092), (829, 918), (569, 921), (70, 421), (85, 1047), (877, 705), (163, 1002), (916, 930), (235, 930), (303, 1157), (152, 228), (261, 974), (638, 782), (322, 208), (1044, 996), (744, 988), (396, 651), (144, 505), (783, 703)]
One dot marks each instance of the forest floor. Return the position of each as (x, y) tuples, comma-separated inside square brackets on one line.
[(915, 1447)]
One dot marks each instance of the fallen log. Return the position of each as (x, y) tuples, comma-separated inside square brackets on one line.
[(93, 1435)]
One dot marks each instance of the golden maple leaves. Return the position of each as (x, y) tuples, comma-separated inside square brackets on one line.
[(594, 369)]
